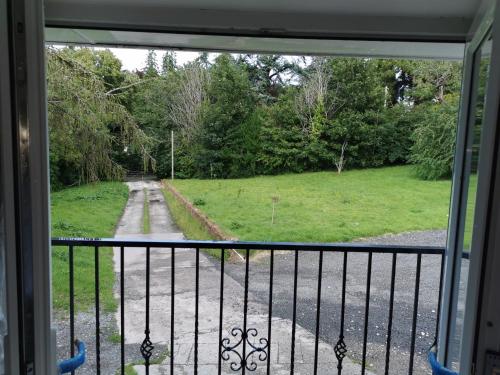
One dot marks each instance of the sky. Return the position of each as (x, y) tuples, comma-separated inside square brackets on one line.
[(133, 58)]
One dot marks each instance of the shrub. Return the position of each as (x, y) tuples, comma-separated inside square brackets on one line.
[(434, 140)]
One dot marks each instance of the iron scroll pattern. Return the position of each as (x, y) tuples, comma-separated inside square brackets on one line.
[(239, 360), (147, 347), (340, 351)]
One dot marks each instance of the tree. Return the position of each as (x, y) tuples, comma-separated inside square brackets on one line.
[(86, 126), (313, 95), (269, 74), (186, 105), (433, 146), (151, 68), (169, 63), (229, 124), (433, 80)]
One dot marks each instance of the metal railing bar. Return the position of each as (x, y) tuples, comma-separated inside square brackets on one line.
[(221, 308), (122, 309), (318, 311), (196, 310), (341, 343), (294, 316), (71, 304), (147, 347), (245, 311), (97, 312), (367, 312), (415, 314), (243, 245), (270, 307), (172, 309), (391, 310)]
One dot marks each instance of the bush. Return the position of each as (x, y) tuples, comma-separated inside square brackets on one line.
[(434, 140)]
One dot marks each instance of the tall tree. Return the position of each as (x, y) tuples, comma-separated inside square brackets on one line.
[(227, 135), (269, 73), (151, 68), (86, 125), (168, 63), (185, 109)]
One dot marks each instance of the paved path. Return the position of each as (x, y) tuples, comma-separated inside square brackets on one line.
[(162, 228), (356, 298)]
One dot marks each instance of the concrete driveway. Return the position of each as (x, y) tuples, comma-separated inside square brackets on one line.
[(209, 301)]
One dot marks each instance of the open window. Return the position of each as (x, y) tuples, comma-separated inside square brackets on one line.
[(472, 198), (24, 167)]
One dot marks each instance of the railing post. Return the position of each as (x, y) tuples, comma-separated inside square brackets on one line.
[(415, 313), (221, 310), (172, 309), (270, 307), (196, 310), (341, 348), (97, 312), (71, 303), (122, 309), (318, 311), (391, 309), (294, 316), (245, 311), (367, 312), (147, 346)]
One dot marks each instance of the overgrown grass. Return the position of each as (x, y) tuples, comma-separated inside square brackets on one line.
[(85, 211), (319, 207), (145, 213), (191, 227)]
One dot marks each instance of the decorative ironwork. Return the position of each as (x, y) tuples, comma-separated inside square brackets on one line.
[(244, 338), (340, 350), (249, 349), (147, 347)]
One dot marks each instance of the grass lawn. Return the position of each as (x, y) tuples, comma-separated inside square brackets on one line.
[(85, 211), (322, 206)]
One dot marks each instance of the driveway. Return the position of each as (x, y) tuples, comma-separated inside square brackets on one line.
[(163, 228)]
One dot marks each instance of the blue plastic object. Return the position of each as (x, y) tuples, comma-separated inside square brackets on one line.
[(438, 368), (69, 365)]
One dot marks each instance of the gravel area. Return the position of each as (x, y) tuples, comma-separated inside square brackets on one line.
[(356, 298), (109, 342), (420, 238)]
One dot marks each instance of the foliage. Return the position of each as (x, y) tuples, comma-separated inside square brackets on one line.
[(241, 116), (229, 125), (191, 228), (87, 125), (322, 206), (434, 140)]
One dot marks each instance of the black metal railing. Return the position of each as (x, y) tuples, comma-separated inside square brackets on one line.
[(243, 349)]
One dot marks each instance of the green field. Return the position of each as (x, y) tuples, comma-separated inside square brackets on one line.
[(85, 211), (322, 206)]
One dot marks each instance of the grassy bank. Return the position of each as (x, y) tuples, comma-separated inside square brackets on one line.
[(145, 213), (319, 207), (191, 227), (85, 211)]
